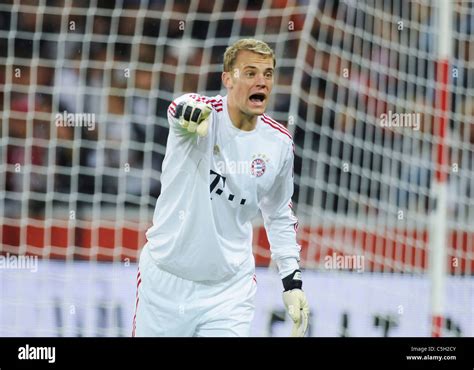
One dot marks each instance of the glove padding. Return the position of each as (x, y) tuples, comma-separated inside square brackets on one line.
[(194, 116), (298, 309)]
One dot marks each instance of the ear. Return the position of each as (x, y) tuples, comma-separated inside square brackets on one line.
[(227, 80)]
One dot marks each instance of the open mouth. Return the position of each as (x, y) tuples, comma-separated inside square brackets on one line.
[(257, 99)]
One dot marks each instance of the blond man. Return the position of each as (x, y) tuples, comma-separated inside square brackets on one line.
[(225, 161)]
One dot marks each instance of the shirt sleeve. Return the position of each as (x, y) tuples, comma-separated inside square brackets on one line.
[(279, 220)]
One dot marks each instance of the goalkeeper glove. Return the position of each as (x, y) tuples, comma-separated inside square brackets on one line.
[(296, 303), (194, 116)]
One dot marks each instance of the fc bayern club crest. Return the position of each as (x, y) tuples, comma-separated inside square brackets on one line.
[(257, 167)]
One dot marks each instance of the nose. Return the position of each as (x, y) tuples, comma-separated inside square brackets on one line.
[(261, 82)]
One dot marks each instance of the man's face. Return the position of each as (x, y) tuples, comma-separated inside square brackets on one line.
[(250, 82)]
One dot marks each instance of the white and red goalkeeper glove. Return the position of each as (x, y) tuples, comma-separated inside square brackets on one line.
[(296, 303), (194, 116)]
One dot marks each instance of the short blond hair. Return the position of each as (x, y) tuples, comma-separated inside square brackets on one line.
[(253, 45)]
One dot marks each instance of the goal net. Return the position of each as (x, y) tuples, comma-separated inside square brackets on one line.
[(384, 156)]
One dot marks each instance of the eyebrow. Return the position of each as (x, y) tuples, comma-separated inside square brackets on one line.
[(253, 67)]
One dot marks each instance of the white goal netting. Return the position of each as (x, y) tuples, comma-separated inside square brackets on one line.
[(85, 86)]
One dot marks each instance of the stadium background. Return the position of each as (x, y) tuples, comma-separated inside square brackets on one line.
[(81, 199)]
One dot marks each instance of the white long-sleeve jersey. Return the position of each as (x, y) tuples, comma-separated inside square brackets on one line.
[(213, 186)]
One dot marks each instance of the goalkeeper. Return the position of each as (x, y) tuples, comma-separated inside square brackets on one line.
[(196, 273)]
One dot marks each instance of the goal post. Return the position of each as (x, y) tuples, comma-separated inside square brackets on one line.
[(438, 232)]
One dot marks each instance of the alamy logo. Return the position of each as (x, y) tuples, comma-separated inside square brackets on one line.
[(66, 119), (13, 262), (390, 119), (233, 167), (341, 262), (37, 353)]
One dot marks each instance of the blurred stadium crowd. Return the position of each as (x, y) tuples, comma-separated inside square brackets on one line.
[(125, 61)]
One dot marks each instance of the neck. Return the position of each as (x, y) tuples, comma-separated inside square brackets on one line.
[(241, 120)]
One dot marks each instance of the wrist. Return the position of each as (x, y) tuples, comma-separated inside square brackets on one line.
[(286, 266), (292, 281)]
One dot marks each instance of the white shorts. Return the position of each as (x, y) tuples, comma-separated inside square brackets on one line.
[(167, 305)]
